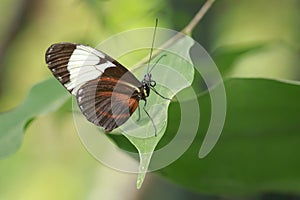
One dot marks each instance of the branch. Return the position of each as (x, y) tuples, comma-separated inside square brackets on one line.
[(186, 30), (197, 18)]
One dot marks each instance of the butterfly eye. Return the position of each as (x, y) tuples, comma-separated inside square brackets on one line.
[(152, 83)]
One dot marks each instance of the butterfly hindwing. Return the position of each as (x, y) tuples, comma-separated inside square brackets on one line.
[(107, 102)]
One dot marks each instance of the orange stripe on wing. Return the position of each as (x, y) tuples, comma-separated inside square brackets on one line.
[(132, 105), (109, 79)]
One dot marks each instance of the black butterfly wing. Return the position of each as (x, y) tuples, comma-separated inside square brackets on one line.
[(107, 93), (107, 102)]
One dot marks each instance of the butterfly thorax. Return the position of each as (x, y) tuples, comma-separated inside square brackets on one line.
[(147, 83), (145, 91)]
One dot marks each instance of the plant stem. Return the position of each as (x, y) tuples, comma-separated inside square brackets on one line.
[(197, 18), (186, 30)]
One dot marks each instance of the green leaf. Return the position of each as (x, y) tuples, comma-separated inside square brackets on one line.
[(43, 98), (257, 150), (176, 71)]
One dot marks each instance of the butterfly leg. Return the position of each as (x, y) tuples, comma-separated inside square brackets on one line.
[(144, 108), (139, 111), (156, 92)]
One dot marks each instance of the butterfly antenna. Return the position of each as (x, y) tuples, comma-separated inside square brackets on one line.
[(157, 62), (154, 34)]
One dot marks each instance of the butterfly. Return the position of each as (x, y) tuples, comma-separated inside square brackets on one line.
[(106, 92)]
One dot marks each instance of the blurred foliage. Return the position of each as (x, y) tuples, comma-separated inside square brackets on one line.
[(255, 154), (43, 98)]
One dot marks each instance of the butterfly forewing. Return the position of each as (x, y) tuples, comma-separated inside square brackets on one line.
[(107, 93), (57, 58), (75, 64)]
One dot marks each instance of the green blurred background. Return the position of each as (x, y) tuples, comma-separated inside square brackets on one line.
[(52, 163)]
